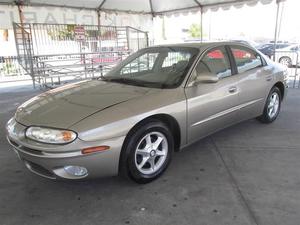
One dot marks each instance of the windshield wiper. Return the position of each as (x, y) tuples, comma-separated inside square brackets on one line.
[(134, 82), (126, 81)]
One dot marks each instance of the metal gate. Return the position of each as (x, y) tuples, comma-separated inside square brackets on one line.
[(24, 47), (52, 52)]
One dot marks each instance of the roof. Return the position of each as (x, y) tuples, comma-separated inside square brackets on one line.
[(154, 7), (203, 44)]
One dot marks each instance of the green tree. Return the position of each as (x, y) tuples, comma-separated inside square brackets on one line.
[(195, 30)]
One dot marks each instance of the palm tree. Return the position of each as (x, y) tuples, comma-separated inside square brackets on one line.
[(195, 30)]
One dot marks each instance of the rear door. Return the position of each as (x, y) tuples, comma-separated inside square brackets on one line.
[(255, 80), (211, 106)]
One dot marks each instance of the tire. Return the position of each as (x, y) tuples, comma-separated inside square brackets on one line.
[(272, 106), (286, 61), (141, 146)]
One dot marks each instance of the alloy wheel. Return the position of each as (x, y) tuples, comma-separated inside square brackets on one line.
[(151, 152), (273, 105)]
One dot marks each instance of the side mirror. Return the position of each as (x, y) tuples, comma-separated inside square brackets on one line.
[(205, 78)]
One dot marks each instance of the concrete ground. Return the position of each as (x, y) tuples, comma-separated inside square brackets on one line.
[(246, 174)]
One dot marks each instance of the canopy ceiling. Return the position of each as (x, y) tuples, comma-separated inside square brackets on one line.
[(153, 7)]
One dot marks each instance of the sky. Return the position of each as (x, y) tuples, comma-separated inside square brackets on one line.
[(254, 23)]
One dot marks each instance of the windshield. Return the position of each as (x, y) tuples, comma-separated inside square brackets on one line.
[(157, 67)]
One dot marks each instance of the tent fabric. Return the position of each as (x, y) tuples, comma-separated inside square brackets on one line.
[(153, 7)]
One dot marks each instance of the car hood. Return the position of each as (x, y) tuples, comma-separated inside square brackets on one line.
[(64, 106)]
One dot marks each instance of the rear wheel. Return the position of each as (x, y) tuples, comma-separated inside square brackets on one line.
[(148, 152), (272, 106), (286, 61)]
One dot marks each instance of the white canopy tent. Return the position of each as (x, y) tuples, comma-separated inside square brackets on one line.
[(154, 7), (151, 8), (148, 7)]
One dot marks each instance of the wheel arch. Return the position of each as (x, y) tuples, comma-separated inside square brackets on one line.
[(167, 119), (285, 57), (280, 86)]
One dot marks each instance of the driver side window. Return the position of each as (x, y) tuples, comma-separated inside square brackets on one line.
[(215, 62)]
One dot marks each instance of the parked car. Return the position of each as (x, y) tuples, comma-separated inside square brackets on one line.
[(268, 49), (289, 56), (154, 103)]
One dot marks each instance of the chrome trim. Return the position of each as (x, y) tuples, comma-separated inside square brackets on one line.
[(227, 111)]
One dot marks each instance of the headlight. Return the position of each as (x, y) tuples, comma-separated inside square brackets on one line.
[(50, 136)]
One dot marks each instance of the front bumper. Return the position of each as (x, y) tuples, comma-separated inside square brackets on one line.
[(49, 161)]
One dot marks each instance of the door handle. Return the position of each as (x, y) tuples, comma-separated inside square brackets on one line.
[(232, 90)]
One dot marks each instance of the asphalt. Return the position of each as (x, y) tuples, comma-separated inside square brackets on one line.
[(245, 174)]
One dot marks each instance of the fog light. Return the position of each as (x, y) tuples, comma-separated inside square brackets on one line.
[(76, 170)]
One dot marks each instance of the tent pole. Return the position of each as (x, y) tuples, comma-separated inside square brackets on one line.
[(280, 19), (99, 28), (98, 18), (201, 24), (276, 27)]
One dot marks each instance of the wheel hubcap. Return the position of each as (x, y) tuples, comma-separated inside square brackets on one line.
[(151, 152), (273, 105), (285, 62)]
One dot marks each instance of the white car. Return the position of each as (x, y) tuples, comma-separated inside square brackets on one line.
[(289, 56)]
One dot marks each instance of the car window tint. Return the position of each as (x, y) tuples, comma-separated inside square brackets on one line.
[(143, 63), (215, 61), (246, 59)]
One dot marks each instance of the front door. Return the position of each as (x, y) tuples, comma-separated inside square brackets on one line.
[(211, 106)]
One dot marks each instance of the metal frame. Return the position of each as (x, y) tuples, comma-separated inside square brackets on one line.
[(24, 49), (31, 39), (101, 8)]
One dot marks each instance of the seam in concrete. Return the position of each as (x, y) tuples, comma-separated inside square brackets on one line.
[(264, 148), (234, 184)]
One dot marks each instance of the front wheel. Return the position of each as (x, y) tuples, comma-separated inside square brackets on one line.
[(148, 152), (272, 106)]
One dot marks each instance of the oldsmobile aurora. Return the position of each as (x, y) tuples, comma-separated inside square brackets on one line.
[(157, 101)]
